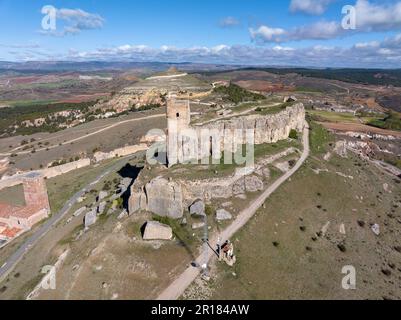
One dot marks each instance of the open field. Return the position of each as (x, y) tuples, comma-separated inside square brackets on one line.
[(348, 127), (47, 148), (286, 253)]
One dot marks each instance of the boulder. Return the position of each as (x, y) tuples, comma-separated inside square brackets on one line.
[(197, 208), (90, 218), (222, 215), (253, 184), (165, 198), (198, 225), (157, 231)]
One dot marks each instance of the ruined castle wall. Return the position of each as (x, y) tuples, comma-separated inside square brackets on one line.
[(65, 168), (46, 173), (121, 152), (266, 129)]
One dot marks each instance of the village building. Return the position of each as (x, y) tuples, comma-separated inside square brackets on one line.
[(15, 220)]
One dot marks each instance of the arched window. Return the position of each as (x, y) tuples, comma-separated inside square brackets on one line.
[(178, 115)]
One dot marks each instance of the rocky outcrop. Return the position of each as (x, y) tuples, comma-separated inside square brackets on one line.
[(160, 197), (156, 231), (164, 198), (133, 98)]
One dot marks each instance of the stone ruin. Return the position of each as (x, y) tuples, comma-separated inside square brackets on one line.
[(186, 142), (168, 198)]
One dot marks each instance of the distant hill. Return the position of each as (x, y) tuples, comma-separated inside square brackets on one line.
[(360, 76), (64, 66)]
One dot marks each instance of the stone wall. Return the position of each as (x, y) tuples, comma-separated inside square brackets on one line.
[(169, 198), (121, 152), (186, 143), (47, 173)]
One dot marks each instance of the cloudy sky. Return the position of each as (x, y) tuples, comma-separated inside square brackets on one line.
[(254, 32)]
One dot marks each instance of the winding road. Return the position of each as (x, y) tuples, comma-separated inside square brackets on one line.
[(178, 287)]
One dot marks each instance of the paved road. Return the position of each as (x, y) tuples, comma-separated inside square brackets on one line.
[(54, 219), (178, 287)]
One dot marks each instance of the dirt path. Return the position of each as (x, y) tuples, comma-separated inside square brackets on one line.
[(178, 287)]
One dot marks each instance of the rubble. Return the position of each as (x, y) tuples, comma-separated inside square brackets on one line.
[(253, 184)]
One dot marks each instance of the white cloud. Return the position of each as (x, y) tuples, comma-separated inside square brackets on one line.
[(229, 22), (75, 21), (370, 17), (374, 55), (321, 30), (374, 17), (267, 34), (314, 7)]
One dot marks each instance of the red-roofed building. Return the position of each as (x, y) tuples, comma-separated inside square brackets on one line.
[(15, 220)]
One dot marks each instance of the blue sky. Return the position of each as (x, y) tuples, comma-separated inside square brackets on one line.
[(277, 32)]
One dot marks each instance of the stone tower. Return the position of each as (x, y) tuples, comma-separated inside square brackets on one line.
[(35, 191), (178, 120)]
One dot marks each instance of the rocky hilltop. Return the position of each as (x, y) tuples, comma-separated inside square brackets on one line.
[(169, 198), (154, 90)]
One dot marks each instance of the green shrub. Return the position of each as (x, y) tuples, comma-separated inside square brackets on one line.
[(236, 94), (293, 134), (209, 210)]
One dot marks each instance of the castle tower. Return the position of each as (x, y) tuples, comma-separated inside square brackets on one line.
[(178, 119)]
